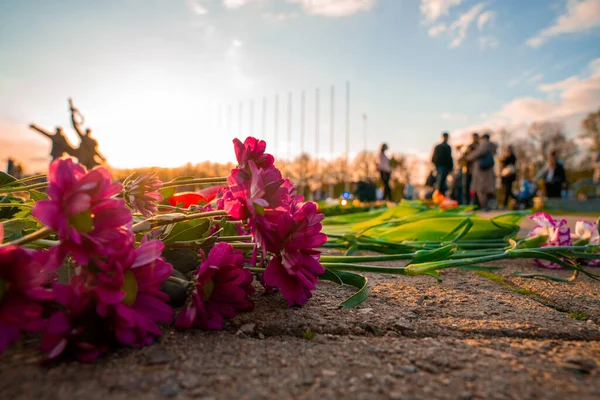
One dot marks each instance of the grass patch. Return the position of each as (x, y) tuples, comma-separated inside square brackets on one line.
[(578, 316), (308, 334), (500, 280), (492, 277)]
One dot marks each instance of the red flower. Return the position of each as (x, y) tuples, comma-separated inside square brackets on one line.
[(223, 289)]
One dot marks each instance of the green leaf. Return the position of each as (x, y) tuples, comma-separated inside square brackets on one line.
[(18, 227), (352, 249), (167, 192), (549, 277), (423, 256), (228, 227), (6, 179), (349, 278), (479, 267), (187, 230), (36, 195)]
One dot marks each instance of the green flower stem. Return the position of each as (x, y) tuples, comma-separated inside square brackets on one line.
[(24, 188), (257, 270), (28, 179), (168, 219), (364, 268), (430, 267), (39, 234), (233, 238), (197, 181), (15, 205), (359, 259), (243, 246), (181, 282)]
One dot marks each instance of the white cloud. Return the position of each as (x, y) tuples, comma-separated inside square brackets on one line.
[(529, 76), (280, 16), (574, 95), (460, 27), (197, 7), (437, 30), (580, 15), (461, 117), (488, 42), (334, 8), (485, 18), (233, 4), (434, 9)]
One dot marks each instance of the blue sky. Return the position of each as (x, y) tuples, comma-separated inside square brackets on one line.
[(153, 76)]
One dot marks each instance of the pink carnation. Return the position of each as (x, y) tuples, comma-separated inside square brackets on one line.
[(76, 329), (293, 238), (251, 192), (82, 209), (557, 232), (585, 230), (223, 288), (128, 292), (141, 192), (252, 150), (22, 274)]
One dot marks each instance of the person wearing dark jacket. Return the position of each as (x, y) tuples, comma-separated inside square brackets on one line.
[(442, 159), (555, 176), (508, 163)]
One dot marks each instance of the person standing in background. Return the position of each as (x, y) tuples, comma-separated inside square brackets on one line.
[(484, 177), (468, 171), (442, 159), (385, 171), (554, 175), (508, 174)]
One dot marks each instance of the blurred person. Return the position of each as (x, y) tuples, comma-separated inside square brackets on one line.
[(468, 171), (554, 175), (442, 159), (508, 174), (484, 177), (385, 171)]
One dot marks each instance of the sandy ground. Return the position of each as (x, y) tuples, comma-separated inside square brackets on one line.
[(468, 337)]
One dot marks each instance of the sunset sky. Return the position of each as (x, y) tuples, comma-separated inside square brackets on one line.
[(155, 78)]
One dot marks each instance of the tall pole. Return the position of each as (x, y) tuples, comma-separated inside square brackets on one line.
[(229, 118), (317, 138), (240, 109), (251, 118), (264, 119), (289, 127), (332, 132), (365, 144), (275, 123), (302, 116), (347, 161)]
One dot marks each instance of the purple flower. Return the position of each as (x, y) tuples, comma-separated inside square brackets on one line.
[(557, 232), (82, 209), (223, 289), (141, 192)]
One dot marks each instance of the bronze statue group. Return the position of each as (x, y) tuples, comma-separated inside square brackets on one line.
[(87, 153)]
